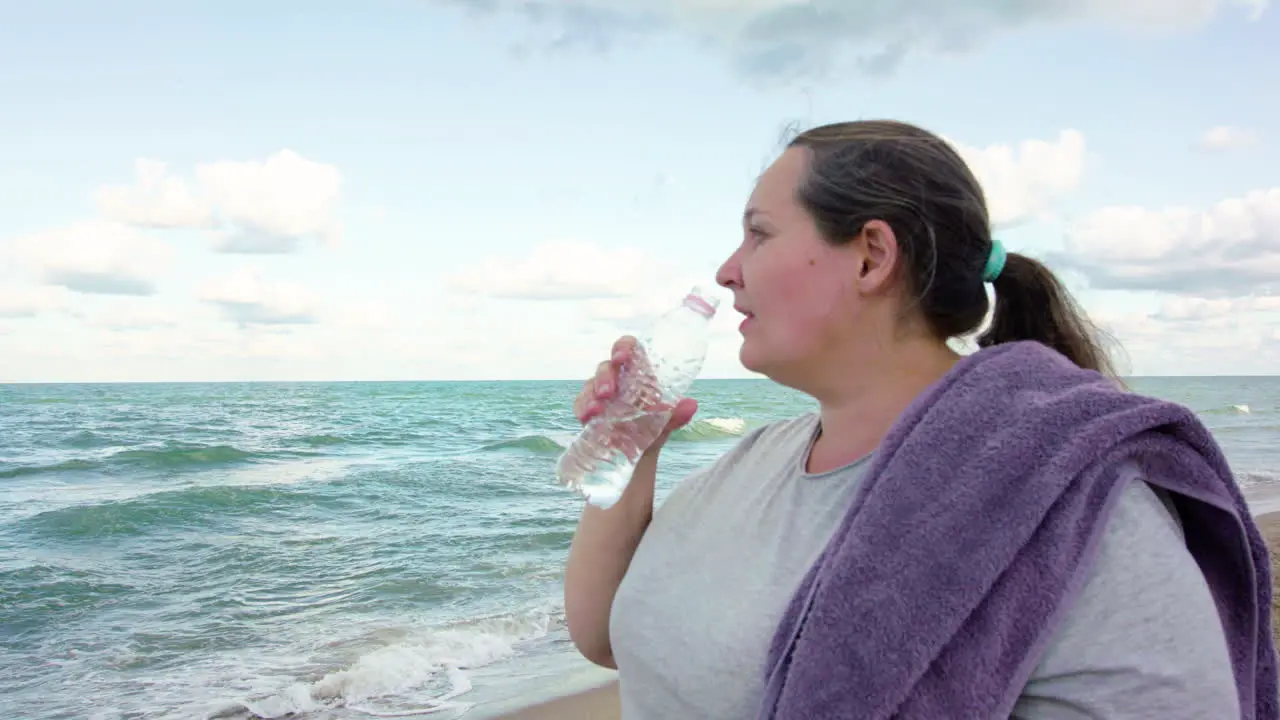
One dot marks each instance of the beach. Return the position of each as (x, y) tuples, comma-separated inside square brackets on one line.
[(336, 551), (1269, 524), (590, 695)]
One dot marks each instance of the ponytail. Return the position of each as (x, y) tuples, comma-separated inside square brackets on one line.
[(1032, 304)]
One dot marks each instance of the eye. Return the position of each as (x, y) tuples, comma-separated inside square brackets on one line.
[(756, 233)]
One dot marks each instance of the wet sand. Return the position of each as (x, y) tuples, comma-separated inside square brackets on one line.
[(589, 694), (596, 698), (598, 703), (1269, 524)]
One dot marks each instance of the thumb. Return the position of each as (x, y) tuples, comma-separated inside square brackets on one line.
[(682, 413)]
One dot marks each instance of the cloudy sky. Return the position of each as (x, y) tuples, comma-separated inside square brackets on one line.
[(496, 188)]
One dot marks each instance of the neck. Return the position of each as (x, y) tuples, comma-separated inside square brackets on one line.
[(858, 412)]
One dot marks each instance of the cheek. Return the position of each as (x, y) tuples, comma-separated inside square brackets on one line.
[(797, 288), (800, 307), (799, 330), (791, 314), (775, 275)]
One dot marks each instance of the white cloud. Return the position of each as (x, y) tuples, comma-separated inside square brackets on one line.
[(245, 297), (1210, 310), (565, 271), (158, 200), (786, 38), (253, 207), (19, 301), (1024, 180), (133, 316), (363, 315), (602, 293), (1190, 334), (1230, 249), (273, 204), (1225, 137), (1197, 336), (98, 257), (624, 283), (152, 339)]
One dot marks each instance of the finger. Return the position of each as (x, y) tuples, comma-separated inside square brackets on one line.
[(682, 413), (622, 350), (585, 405), (680, 416), (605, 382), (584, 401), (596, 388), (590, 412)]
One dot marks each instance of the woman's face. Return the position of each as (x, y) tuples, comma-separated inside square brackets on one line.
[(800, 293)]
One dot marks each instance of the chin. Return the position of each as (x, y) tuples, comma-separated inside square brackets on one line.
[(751, 360)]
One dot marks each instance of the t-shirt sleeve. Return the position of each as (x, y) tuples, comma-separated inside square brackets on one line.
[(1143, 639)]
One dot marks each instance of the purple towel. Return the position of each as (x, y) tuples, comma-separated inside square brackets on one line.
[(977, 524)]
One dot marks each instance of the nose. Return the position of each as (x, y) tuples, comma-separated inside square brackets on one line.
[(730, 273)]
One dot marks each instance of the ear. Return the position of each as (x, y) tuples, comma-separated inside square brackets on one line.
[(878, 256)]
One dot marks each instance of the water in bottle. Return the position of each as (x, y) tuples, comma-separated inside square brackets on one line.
[(667, 358)]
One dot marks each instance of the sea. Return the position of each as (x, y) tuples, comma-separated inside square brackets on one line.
[(339, 550)]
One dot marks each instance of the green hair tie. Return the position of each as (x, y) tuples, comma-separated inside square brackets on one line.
[(995, 262)]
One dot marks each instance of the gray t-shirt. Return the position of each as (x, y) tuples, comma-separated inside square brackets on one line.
[(692, 619)]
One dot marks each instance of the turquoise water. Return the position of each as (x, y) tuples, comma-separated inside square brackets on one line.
[(339, 550)]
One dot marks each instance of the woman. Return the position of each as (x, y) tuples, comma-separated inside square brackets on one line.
[(842, 564)]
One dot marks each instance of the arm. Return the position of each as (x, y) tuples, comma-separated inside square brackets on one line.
[(599, 555), (1143, 639), (606, 540)]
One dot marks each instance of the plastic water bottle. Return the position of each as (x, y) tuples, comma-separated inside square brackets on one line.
[(600, 460)]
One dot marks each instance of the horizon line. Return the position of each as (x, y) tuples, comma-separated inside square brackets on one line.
[(491, 380)]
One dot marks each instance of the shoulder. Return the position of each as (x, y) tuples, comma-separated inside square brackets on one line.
[(770, 448), (1143, 638), (788, 437), (780, 440)]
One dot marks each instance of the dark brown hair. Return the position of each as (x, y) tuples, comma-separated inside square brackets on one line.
[(918, 184)]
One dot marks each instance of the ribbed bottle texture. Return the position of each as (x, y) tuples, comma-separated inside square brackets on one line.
[(600, 460)]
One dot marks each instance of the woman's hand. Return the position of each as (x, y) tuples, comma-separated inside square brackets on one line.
[(599, 390)]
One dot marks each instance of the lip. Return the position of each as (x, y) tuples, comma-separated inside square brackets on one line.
[(745, 322)]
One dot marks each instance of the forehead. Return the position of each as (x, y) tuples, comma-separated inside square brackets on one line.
[(775, 189)]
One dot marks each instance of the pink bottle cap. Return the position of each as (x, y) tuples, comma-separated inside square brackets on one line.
[(701, 302)]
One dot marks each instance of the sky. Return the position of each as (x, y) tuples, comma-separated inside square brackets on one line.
[(496, 189)]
